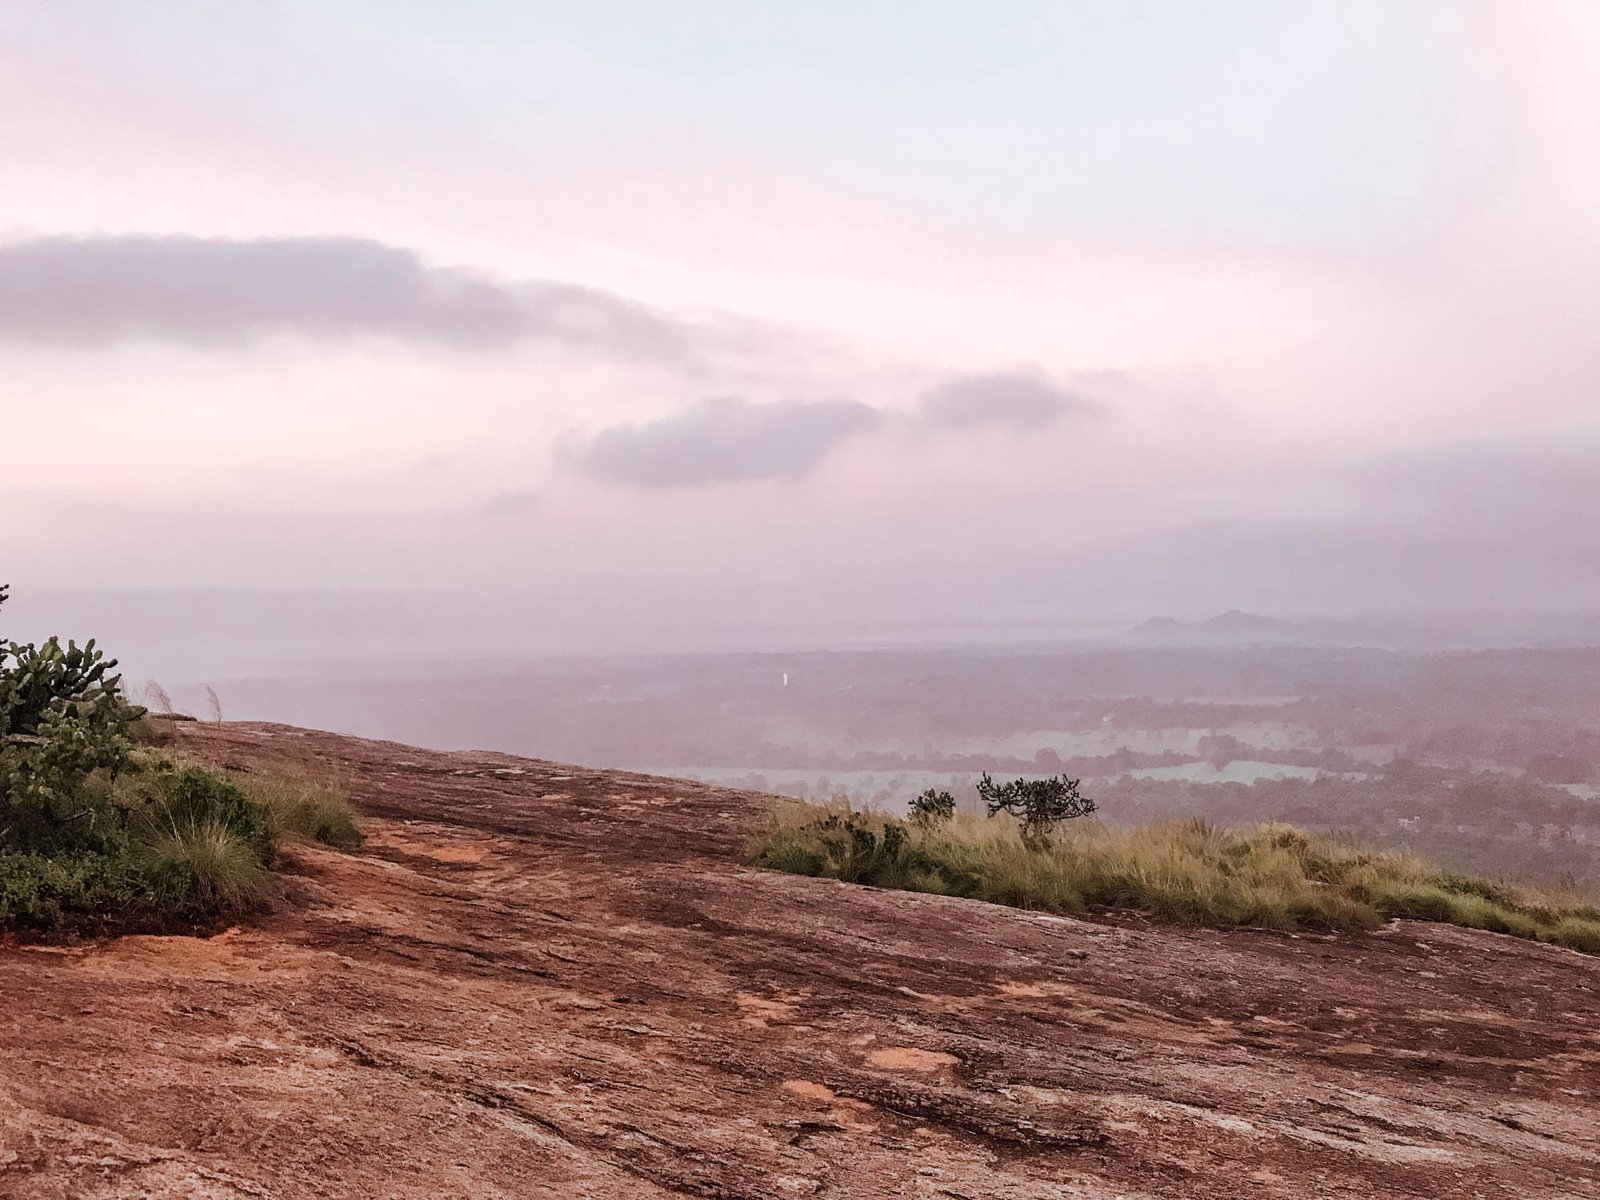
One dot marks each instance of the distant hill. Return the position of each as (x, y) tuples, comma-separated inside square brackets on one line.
[(1238, 628), (1234, 623), (1234, 628)]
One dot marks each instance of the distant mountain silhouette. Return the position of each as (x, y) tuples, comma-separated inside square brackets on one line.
[(1236, 627), (1236, 622)]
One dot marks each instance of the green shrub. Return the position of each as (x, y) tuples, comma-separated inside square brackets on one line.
[(1468, 885), (42, 892), (933, 809), (792, 857), (1580, 933), (190, 798), (1419, 901), (183, 845)]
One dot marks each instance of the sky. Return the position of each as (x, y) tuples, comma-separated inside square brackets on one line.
[(636, 325)]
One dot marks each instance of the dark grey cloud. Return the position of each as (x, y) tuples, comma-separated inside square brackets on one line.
[(1019, 400), (723, 440), (97, 290)]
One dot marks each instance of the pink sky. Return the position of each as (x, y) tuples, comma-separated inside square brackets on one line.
[(1097, 316)]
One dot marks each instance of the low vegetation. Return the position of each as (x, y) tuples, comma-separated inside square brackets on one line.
[(305, 810), (1271, 876), (103, 830)]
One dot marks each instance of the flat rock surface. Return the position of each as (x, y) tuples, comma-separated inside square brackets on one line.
[(539, 980)]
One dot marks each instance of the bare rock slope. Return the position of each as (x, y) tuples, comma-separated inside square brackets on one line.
[(546, 981)]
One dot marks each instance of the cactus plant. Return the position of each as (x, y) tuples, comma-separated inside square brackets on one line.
[(62, 719)]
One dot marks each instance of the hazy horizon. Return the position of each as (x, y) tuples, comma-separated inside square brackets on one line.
[(331, 327)]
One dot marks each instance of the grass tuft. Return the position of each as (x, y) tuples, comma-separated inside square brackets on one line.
[(205, 866), (306, 809)]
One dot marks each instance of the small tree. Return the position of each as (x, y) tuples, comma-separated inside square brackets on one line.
[(1039, 805), (1220, 749), (933, 809)]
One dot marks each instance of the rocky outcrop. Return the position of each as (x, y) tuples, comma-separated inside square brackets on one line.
[(539, 980)]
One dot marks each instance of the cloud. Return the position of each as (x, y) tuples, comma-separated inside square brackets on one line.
[(1501, 524), (1020, 400), (513, 504), (210, 291), (1498, 496), (1557, 471), (722, 440)]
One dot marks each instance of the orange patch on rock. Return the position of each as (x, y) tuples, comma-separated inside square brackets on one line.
[(758, 1010), (909, 1058), (847, 1114), (447, 850), (809, 1091), (1030, 991), (460, 853)]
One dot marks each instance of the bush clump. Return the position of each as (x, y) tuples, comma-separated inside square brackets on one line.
[(933, 809), (171, 846), (99, 834)]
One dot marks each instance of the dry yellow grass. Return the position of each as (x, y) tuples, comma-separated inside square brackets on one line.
[(1273, 876)]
